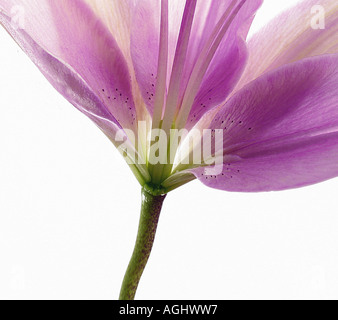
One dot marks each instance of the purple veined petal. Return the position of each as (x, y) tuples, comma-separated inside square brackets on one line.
[(292, 36), (100, 62), (281, 131), (67, 82), (229, 61), (145, 40), (64, 79), (116, 15), (70, 32), (295, 98), (294, 166), (180, 59), (145, 44)]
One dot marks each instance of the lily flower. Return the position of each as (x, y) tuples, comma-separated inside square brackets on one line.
[(146, 71)]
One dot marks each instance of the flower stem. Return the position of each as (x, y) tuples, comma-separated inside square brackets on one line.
[(150, 214)]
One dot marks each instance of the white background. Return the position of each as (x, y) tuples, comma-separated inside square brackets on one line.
[(69, 209)]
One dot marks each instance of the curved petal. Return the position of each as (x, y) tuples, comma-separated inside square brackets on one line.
[(71, 33), (229, 62), (281, 131), (65, 80), (294, 166), (145, 43), (116, 15), (291, 37), (226, 66)]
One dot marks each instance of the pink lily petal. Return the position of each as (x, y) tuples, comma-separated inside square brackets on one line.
[(71, 34), (224, 70), (63, 78), (229, 62), (290, 37), (116, 15), (145, 42), (281, 131)]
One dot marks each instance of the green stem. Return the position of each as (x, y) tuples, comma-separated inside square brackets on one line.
[(150, 213)]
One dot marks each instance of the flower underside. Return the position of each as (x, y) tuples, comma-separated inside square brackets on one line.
[(177, 87), (165, 160)]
